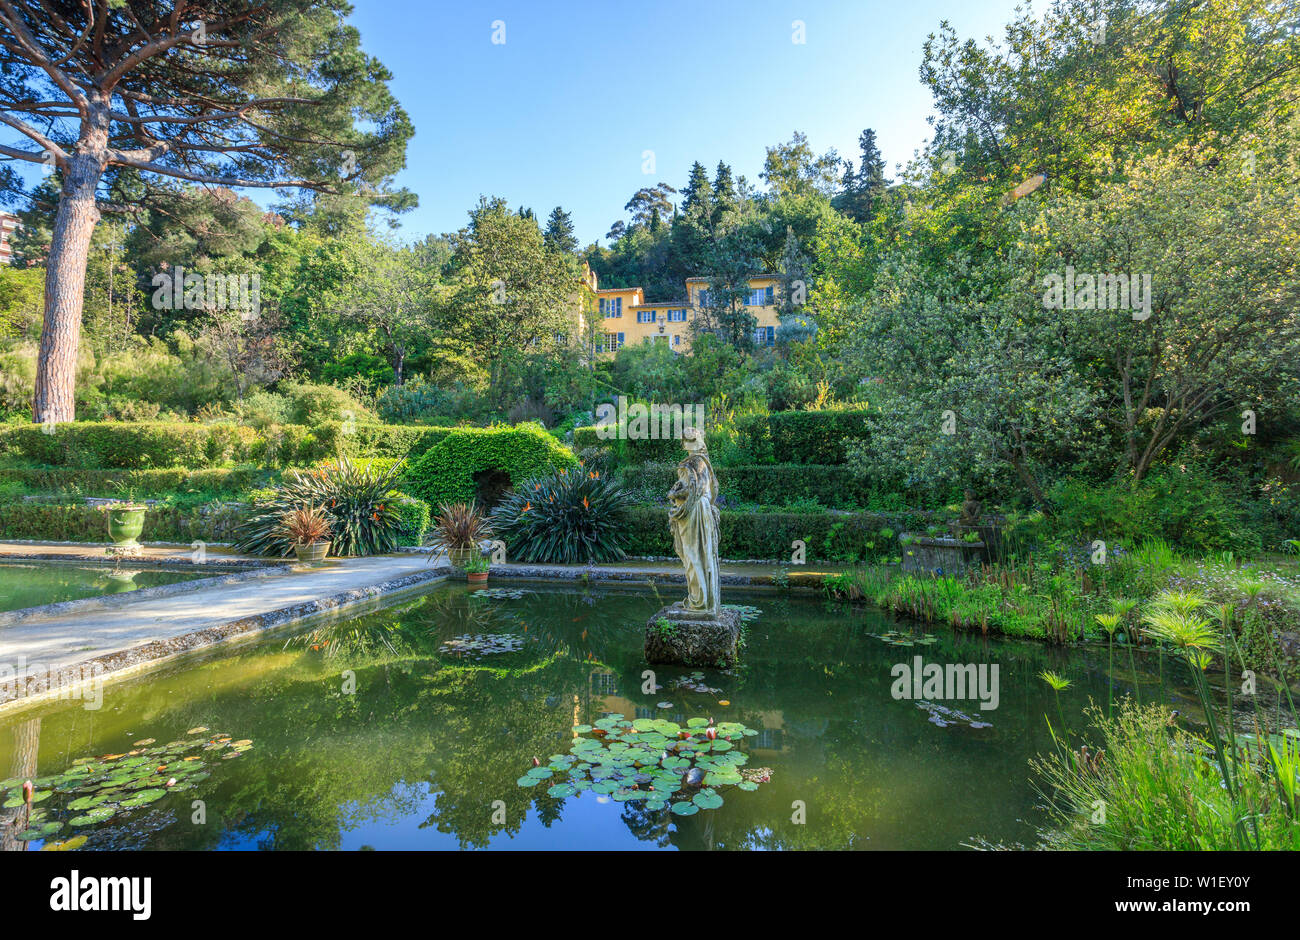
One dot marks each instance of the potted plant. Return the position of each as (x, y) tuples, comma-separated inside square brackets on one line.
[(476, 568), (125, 523), (307, 529), (458, 531)]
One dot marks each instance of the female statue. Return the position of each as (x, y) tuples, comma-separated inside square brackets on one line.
[(693, 518)]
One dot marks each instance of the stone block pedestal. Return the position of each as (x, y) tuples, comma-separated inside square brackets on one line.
[(676, 636)]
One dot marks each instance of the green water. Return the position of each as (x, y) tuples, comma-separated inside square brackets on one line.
[(24, 585), (418, 754)]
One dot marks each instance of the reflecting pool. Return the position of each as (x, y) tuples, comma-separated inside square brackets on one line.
[(411, 727)]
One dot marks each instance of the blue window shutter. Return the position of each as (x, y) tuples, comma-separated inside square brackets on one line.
[(768, 296), (620, 339)]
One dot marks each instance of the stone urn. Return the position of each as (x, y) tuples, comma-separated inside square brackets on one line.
[(125, 523), (311, 553)]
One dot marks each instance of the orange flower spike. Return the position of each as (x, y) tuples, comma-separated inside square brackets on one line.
[(527, 506), (585, 504)]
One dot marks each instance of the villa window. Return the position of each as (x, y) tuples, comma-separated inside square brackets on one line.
[(765, 336), (645, 316), (760, 297), (611, 307), (677, 316), (610, 342), (677, 340)]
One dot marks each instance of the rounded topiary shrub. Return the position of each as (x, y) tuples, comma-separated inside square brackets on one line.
[(478, 463)]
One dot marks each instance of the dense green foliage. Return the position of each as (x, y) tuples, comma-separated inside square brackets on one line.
[(571, 516), (365, 510), (447, 471)]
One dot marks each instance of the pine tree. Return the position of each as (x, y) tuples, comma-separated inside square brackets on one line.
[(559, 232)]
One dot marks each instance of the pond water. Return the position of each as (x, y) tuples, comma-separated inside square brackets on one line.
[(31, 585), (394, 731)]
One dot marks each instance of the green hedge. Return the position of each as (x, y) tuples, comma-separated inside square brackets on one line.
[(146, 484), (51, 522), (771, 484), (801, 437), (445, 472), (782, 437), (828, 536), (128, 445), (145, 445)]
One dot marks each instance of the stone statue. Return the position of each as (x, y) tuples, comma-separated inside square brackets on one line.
[(693, 518), (697, 630), (971, 510)]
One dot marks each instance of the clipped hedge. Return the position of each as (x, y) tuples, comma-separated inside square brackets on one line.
[(802, 437), (773, 484), (123, 445), (445, 472), (828, 536), (54, 522), (783, 437), (127, 445), (146, 484)]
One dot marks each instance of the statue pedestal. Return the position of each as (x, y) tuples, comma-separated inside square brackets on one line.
[(676, 636)]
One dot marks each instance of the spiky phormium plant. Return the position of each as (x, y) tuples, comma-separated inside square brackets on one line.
[(569, 517), (360, 503)]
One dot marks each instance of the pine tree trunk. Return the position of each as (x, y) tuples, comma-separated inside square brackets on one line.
[(65, 286)]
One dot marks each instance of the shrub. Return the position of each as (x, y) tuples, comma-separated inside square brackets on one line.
[(1187, 506), (312, 404), (415, 519), (764, 484), (146, 483), (59, 522), (569, 517), (304, 525), (447, 471), (828, 536), (121, 445), (360, 502), (459, 526)]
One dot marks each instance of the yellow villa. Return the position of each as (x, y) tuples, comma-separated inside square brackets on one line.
[(623, 316)]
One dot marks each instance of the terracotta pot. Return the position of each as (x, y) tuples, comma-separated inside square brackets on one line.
[(477, 577), (312, 554), (125, 526)]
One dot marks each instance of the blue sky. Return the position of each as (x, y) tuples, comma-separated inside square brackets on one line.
[(561, 113)]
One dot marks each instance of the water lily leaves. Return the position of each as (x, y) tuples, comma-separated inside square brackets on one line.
[(707, 799), (16, 801), (748, 785), (98, 814), (145, 796), (97, 789), (650, 760), (42, 831)]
